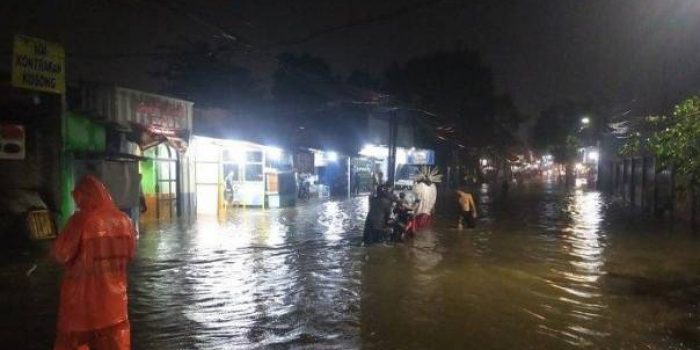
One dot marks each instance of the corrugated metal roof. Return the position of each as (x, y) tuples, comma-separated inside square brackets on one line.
[(125, 106)]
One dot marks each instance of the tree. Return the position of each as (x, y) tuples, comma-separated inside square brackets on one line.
[(506, 114), (311, 101), (678, 144), (675, 142), (555, 130), (363, 79), (455, 85), (558, 132), (457, 89)]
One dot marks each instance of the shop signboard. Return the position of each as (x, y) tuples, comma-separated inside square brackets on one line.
[(12, 141), (362, 165), (161, 116), (421, 157), (38, 65)]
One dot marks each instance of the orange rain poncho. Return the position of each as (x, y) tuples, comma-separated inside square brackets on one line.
[(95, 247)]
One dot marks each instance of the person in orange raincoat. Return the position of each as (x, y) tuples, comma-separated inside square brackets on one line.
[(95, 248)]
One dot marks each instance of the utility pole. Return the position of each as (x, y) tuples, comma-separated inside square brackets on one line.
[(393, 136)]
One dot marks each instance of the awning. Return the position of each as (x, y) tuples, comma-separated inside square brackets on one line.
[(146, 138)]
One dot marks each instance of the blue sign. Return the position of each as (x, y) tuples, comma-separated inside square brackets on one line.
[(421, 157)]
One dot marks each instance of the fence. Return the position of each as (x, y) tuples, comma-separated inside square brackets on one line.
[(640, 183)]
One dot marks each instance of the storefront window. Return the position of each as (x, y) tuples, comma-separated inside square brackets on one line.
[(167, 188), (254, 156), (253, 172), (164, 170), (232, 172), (236, 155), (163, 151)]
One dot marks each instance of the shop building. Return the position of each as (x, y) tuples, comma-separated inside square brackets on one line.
[(30, 155), (325, 173), (146, 137), (408, 164), (234, 173)]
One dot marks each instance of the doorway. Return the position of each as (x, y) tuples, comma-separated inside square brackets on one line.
[(166, 159)]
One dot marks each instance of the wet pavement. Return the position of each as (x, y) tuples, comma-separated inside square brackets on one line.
[(544, 269)]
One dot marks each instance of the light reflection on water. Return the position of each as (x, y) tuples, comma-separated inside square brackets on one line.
[(546, 269), (580, 295), (530, 276)]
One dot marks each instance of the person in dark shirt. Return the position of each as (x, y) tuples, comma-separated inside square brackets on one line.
[(380, 206)]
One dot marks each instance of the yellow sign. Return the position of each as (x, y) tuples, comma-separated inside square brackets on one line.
[(38, 65)]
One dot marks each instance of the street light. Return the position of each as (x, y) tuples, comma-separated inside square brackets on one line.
[(585, 120), (274, 154), (332, 156), (593, 156)]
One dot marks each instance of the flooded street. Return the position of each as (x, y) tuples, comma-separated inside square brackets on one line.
[(544, 269)]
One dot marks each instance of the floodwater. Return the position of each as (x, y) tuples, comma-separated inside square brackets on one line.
[(544, 269)]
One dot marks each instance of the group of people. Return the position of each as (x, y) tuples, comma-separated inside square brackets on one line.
[(394, 218)]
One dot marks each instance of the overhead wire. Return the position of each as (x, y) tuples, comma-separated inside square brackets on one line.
[(196, 16)]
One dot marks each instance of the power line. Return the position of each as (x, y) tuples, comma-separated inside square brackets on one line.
[(357, 23)]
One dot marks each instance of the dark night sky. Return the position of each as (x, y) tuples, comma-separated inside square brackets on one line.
[(540, 50)]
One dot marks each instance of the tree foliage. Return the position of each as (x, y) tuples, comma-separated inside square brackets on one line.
[(557, 131), (676, 141), (363, 79), (308, 98), (459, 88)]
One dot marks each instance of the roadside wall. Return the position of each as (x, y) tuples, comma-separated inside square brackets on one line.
[(641, 184)]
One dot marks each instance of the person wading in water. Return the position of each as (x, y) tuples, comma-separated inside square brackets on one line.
[(468, 209), (426, 193), (380, 206)]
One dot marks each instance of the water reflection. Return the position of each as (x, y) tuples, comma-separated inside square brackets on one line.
[(535, 274), (580, 297), (548, 269)]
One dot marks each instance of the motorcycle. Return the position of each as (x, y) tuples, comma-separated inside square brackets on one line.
[(402, 225)]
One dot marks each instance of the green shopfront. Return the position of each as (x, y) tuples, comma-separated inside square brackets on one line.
[(136, 142)]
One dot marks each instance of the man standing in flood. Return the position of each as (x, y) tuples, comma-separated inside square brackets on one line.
[(468, 209), (95, 248)]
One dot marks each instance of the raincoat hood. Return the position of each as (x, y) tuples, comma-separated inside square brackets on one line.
[(91, 194)]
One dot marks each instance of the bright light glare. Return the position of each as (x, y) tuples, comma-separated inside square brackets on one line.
[(238, 154), (274, 153), (484, 162), (585, 120), (374, 151), (205, 151), (332, 156), (401, 156), (593, 156)]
